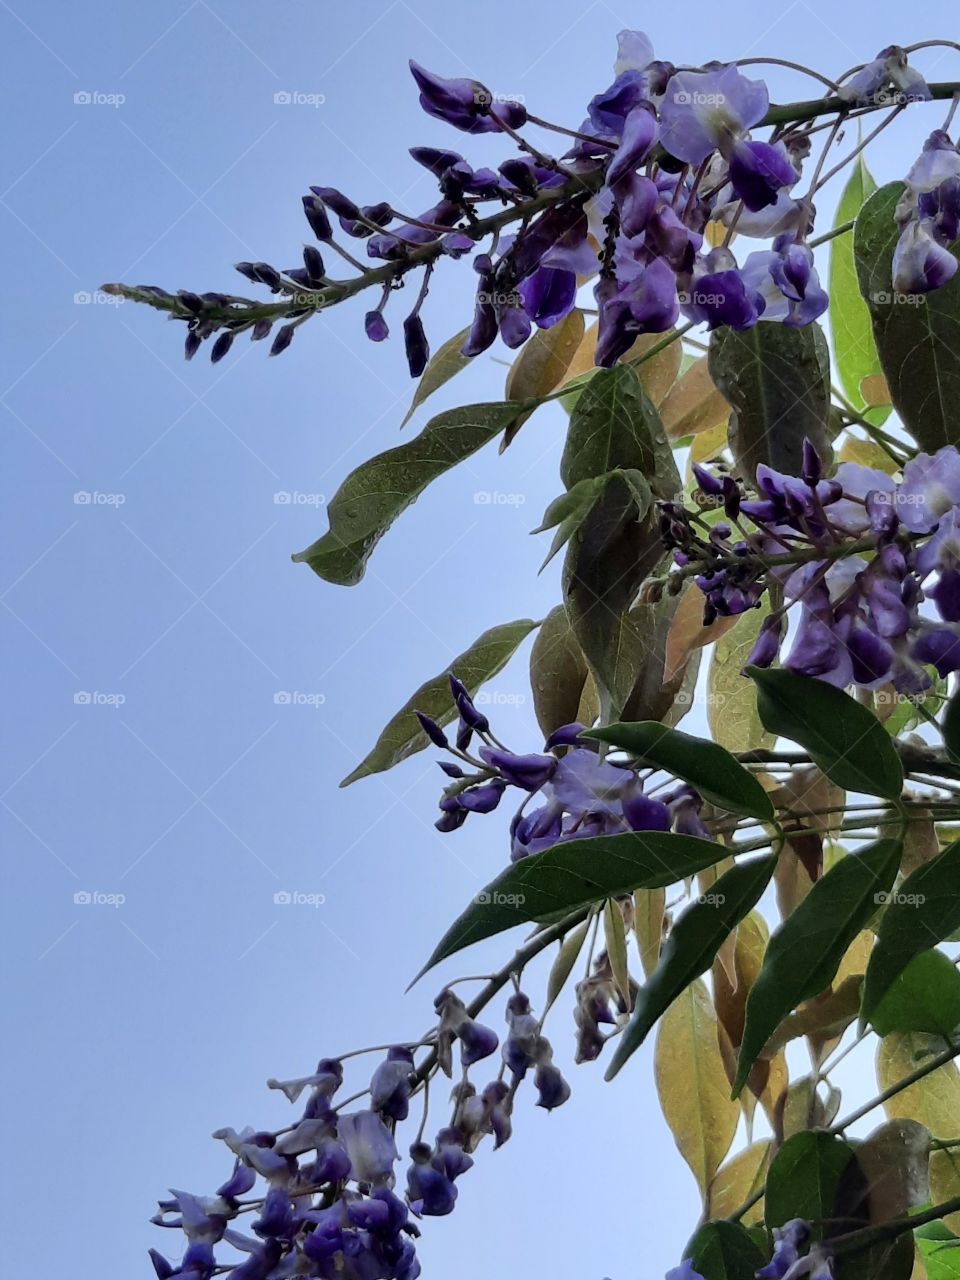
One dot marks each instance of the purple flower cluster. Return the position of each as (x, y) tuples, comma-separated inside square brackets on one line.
[(788, 1261), (928, 214), (329, 1208), (580, 794), (870, 564)]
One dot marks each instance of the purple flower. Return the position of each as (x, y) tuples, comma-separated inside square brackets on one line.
[(391, 1084), (705, 111), (788, 1240), (929, 489), (370, 1146), (640, 131), (759, 171), (429, 1191), (548, 295), (583, 783), (920, 263), (529, 772)]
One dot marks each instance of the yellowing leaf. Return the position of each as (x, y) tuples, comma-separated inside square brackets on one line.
[(648, 914), (542, 365), (692, 1083), (687, 632), (731, 696), (694, 404), (866, 453), (945, 1182), (875, 391), (616, 940), (934, 1100), (737, 1181), (570, 948), (657, 375), (709, 444)]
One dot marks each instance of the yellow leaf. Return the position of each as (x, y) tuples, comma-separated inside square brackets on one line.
[(694, 404), (648, 913), (570, 948), (617, 947), (692, 1083), (934, 1100), (866, 454), (875, 391), (687, 632), (732, 697), (709, 444), (541, 365), (737, 1181), (657, 375)]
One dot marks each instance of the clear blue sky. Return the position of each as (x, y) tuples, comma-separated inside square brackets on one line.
[(138, 1028)]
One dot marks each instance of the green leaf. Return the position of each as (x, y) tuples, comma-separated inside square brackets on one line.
[(777, 381), (725, 1251), (941, 1260), (917, 335), (804, 954), (558, 674), (924, 997), (804, 1179), (717, 775), (444, 364), (373, 495), (572, 875), (403, 737), (846, 740), (924, 911), (691, 947), (854, 350), (570, 948), (568, 512)]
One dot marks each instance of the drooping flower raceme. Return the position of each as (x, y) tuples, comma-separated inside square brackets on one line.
[(869, 566)]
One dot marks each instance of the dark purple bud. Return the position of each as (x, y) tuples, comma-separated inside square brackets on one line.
[(221, 346), (468, 712), (767, 645), (465, 104), (376, 326), (758, 170), (435, 159), (519, 173), (708, 482), (192, 344), (391, 1084), (317, 217), (567, 735), (552, 1089), (450, 769), (338, 202), (432, 730), (283, 339), (267, 275), (451, 820), (515, 326), (261, 330), (161, 1266), (313, 263), (812, 469), (416, 345), (476, 1042), (482, 799)]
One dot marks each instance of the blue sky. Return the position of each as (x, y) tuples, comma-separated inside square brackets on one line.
[(149, 629)]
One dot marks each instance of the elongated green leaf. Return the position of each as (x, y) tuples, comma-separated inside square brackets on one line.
[(725, 1251), (568, 512), (558, 673), (804, 954), (445, 363), (924, 997), (846, 740), (716, 774), (854, 350), (691, 947), (924, 911), (917, 335), (575, 874), (372, 496), (403, 736), (570, 949), (805, 1178), (777, 380)]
